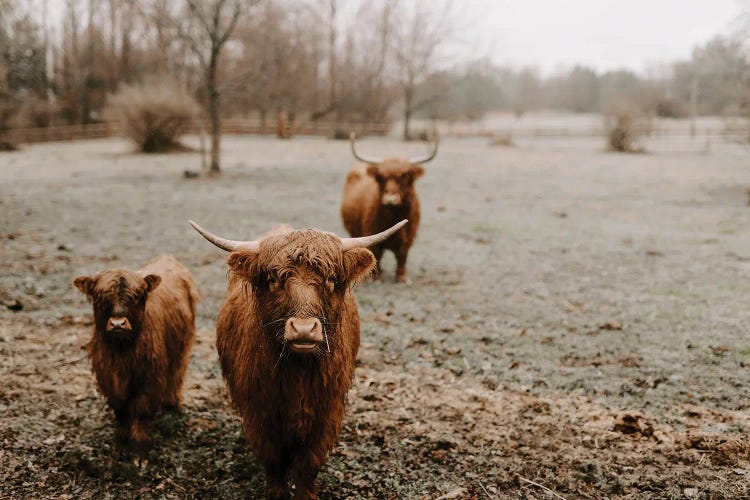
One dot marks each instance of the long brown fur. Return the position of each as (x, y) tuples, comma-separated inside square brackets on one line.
[(364, 214), (291, 404), (142, 374)]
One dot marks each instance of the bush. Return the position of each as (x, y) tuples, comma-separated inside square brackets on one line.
[(37, 113), (622, 127), (503, 140), (671, 108), (154, 115)]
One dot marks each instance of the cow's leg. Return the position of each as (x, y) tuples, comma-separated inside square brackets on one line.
[(141, 411), (377, 251), (173, 399), (276, 472), (304, 477), (401, 275), (123, 424)]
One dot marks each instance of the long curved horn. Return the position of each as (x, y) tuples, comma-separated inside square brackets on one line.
[(368, 241), (228, 245), (352, 139), (430, 156)]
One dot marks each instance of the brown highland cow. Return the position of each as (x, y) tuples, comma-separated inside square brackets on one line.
[(377, 194), (144, 326), (288, 336)]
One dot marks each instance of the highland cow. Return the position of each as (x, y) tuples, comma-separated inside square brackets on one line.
[(144, 326), (378, 193), (288, 336)]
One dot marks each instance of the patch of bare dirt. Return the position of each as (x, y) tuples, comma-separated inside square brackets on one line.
[(411, 432)]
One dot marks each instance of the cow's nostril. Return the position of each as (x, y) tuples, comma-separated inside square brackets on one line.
[(304, 326), (118, 322)]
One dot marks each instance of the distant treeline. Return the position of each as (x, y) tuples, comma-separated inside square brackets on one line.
[(714, 81), (311, 60)]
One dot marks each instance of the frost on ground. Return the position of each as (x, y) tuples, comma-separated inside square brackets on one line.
[(575, 326)]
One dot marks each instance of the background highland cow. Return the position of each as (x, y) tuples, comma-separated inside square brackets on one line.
[(379, 193)]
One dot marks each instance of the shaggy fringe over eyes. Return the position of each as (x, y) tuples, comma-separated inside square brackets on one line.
[(281, 254), (113, 284)]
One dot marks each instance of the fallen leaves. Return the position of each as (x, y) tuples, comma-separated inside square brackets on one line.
[(634, 423)]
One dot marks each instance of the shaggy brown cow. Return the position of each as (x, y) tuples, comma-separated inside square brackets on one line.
[(378, 193), (288, 336), (144, 326)]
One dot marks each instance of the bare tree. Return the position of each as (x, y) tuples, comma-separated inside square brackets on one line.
[(214, 22), (423, 29)]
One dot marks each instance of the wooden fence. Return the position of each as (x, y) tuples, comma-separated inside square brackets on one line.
[(229, 126), (245, 126), (729, 133), (327, 129), (61, 133)]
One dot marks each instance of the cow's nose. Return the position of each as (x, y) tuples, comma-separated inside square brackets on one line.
[(391, 199), (304, 326), (118, 322)]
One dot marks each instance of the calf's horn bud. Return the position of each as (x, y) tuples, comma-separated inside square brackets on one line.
[(368, 241), (228, 245)]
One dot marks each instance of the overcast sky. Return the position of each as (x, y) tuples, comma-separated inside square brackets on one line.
[(557, 34), (605, 34)]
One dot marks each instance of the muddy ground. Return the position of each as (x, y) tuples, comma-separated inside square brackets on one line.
[(576, 325)]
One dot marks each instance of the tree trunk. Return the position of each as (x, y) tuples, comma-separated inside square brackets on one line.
[(407, 113), (215, 113)]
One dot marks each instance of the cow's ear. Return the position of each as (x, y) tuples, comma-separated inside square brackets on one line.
[(85, 284), (358, 264), (241, 263), (416, 171), (152, 281)]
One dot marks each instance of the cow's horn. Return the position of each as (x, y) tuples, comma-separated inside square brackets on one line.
[(352, 140), (431, 155), (228, 245), (368, 241)]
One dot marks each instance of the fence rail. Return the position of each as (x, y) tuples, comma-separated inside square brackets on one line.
[(62, 133), (582, 132), (229, 126), (328, 129), (246, 126)]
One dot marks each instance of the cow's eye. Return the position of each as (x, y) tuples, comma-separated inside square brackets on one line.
[(273, 283), (331, 283)]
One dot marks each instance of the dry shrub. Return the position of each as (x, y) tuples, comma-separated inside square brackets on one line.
[(621, 128), (153, 114), (339, 134), (38, 113), (503, 140), (671, 108)]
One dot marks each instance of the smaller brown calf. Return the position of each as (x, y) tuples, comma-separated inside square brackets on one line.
[(144, 326)]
